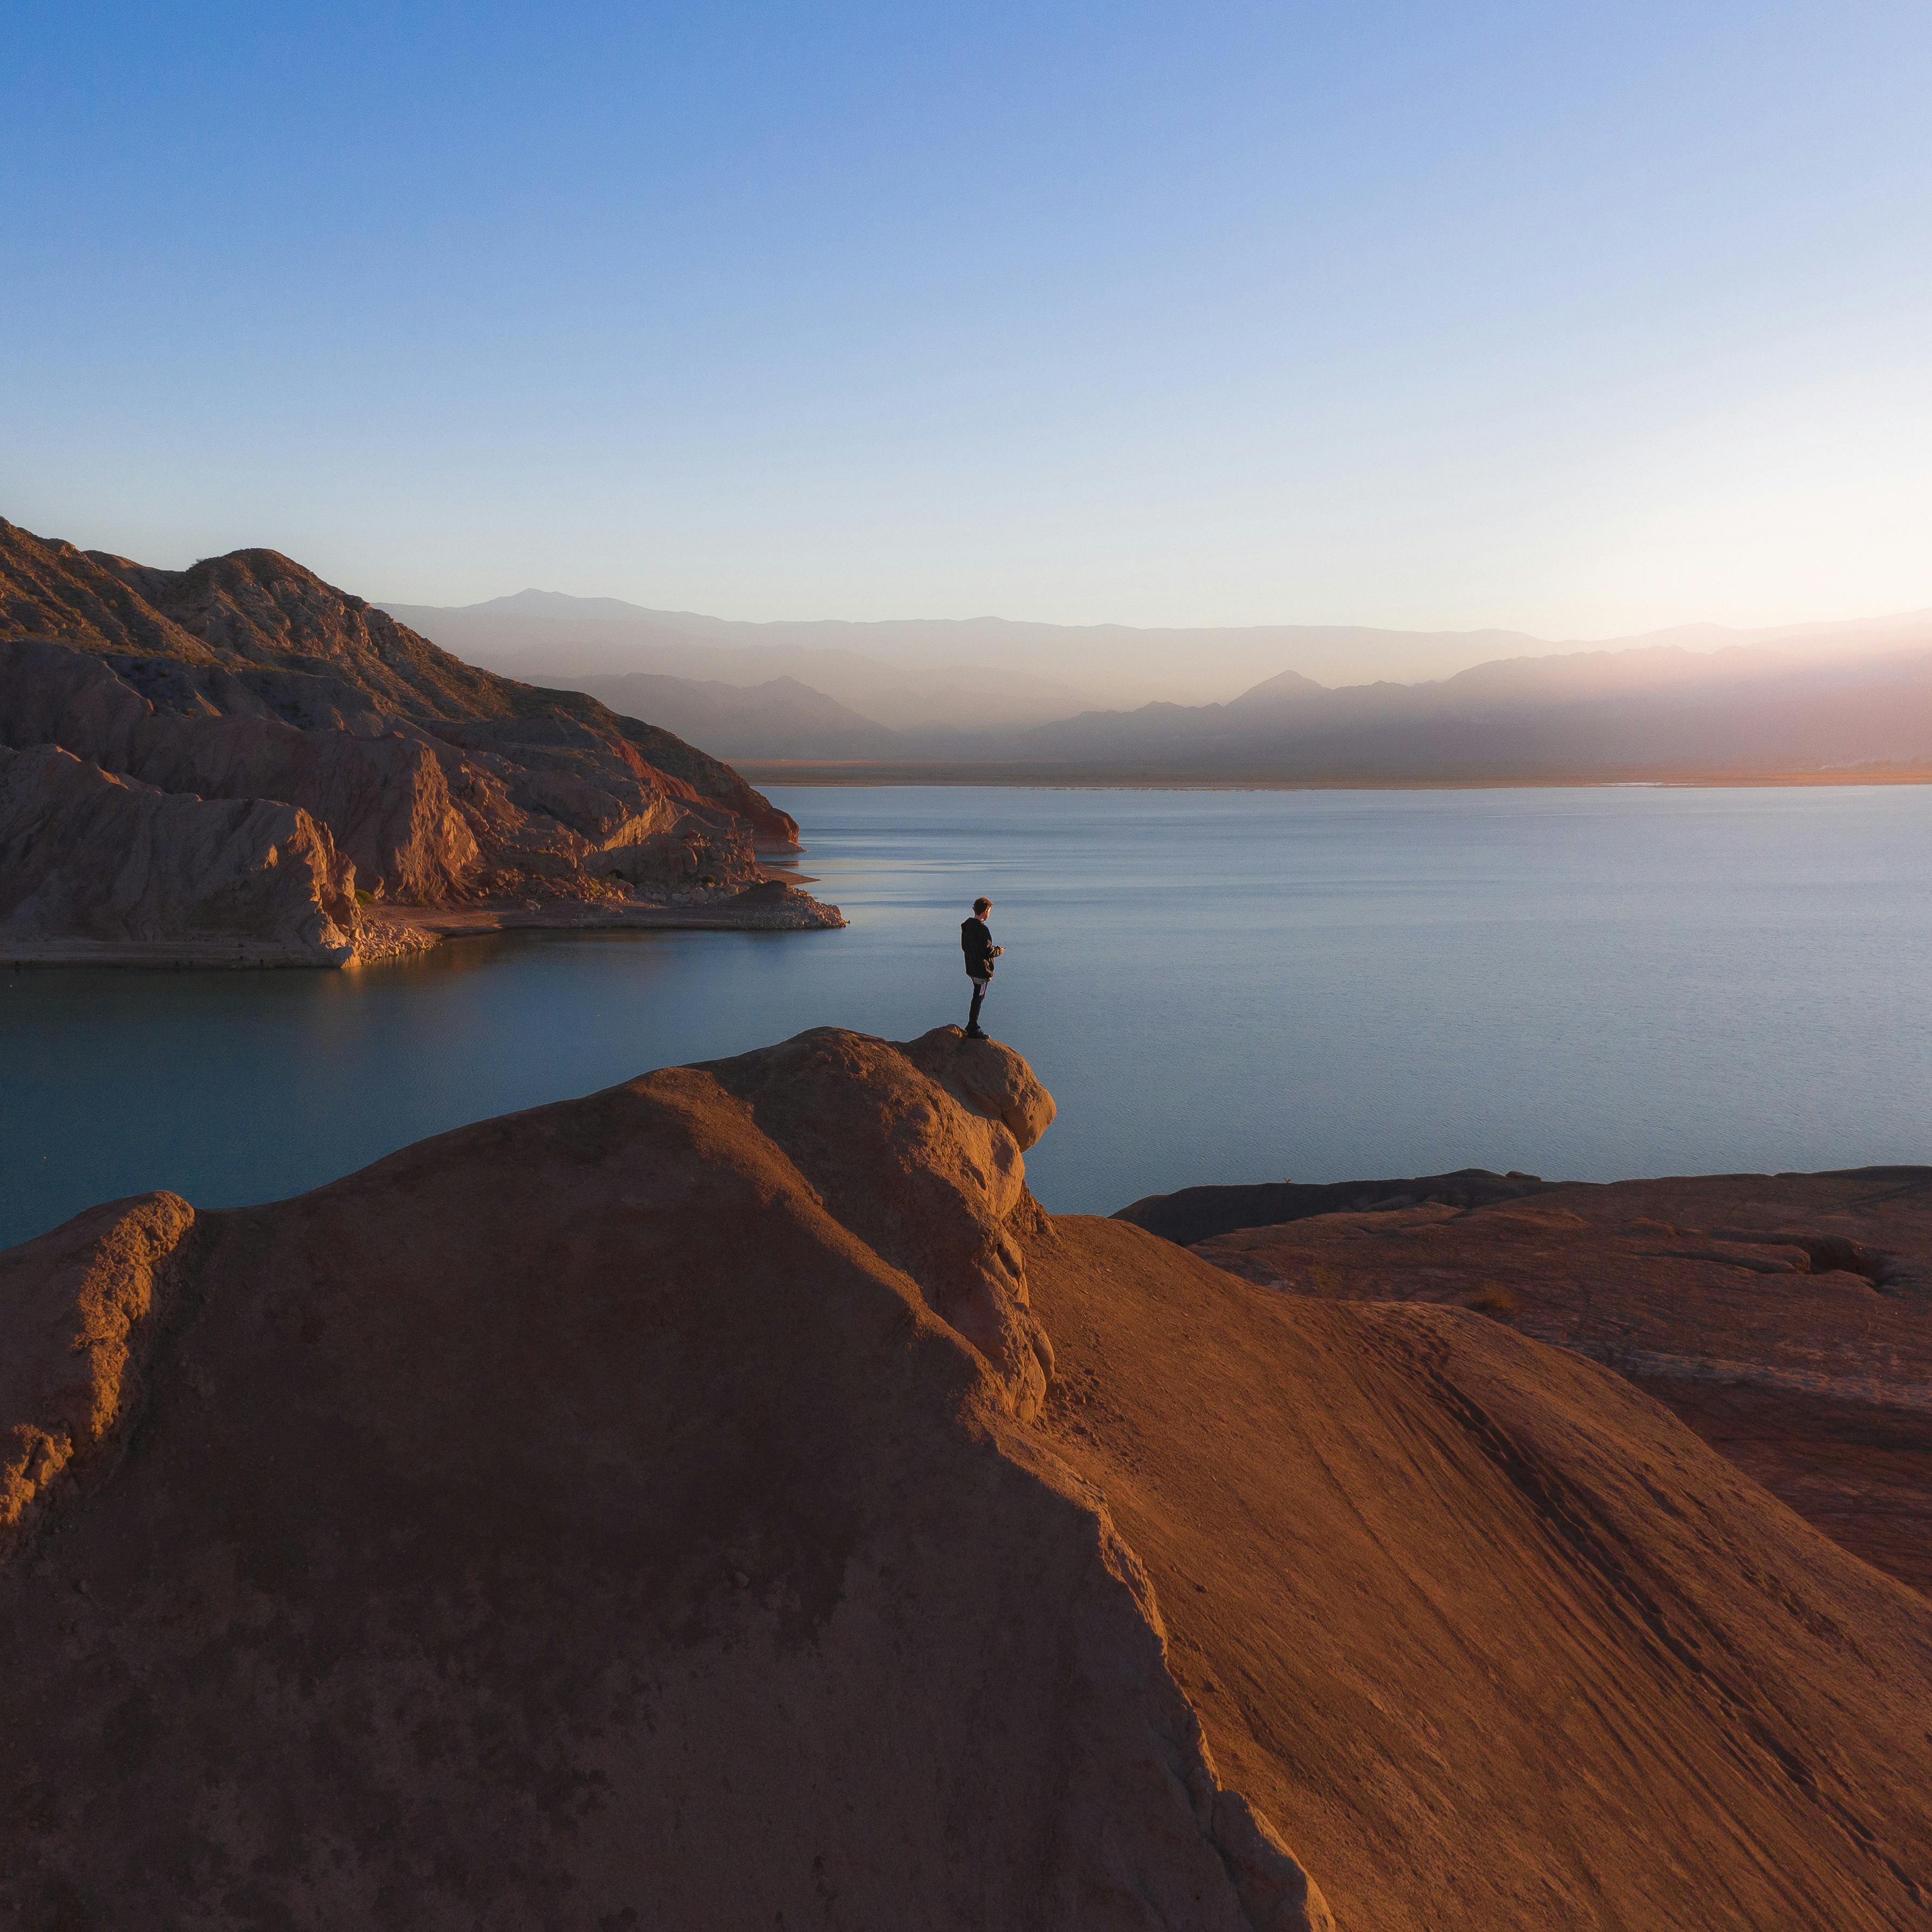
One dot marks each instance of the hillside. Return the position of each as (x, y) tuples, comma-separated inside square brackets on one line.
[(728, 1500), (1783, 1318), (942, 683), (406, 778)]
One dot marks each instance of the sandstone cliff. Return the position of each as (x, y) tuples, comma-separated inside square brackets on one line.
[(248, 679), (668, 1509), (87, 858)]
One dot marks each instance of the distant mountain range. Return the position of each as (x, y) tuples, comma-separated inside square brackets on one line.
[(922, 677), (781, 711), (1627, 714), (1699, 699)]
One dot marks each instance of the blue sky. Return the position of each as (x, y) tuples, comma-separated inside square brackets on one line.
[(1582, 320)]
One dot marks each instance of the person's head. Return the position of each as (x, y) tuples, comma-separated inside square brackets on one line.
[(981, 907)]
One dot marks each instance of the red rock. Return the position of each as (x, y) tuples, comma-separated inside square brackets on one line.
[(94, 864), (579, 1516), (248, 678), (81, 1307), (644, 1510), (1783, 1317)]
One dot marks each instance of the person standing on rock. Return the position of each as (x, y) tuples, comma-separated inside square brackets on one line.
[(976, 942)]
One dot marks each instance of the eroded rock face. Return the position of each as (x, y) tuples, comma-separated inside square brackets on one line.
[(998, 1084), (916, 1150), (596, 1517), (80, 1309), (248, 678), (90, 857)]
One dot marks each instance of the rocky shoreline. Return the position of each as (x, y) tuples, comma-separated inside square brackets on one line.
[(394, 932)]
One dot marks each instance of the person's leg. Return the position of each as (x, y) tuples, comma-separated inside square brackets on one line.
[(973, 1018)]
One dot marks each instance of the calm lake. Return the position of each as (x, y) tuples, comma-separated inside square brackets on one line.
[(1217, 986)]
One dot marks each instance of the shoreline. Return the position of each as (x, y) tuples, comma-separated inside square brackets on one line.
[(393, 932), (773, 915), (831, 772)]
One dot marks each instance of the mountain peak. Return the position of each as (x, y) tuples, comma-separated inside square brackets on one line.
[(1283, 686), (534, 603)]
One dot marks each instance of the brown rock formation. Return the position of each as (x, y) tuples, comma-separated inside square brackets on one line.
[(1786, 1318), (88, 860), (585, 1519), (81, 1307), (248, 678), (653, 1510), (1499, 1643)]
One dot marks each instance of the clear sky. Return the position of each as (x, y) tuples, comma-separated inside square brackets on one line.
[(1578, 319)]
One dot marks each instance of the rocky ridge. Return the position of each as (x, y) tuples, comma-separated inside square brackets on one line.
[(668, 1508), (424, 784)]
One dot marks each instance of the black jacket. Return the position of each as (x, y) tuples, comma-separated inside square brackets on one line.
[(976, 942)]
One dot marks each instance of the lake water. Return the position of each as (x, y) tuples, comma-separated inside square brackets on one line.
[(1217, 986)]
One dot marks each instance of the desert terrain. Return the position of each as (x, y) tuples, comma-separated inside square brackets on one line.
[(728, 1499), (1783, 1318)]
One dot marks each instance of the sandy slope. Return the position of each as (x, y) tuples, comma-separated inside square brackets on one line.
[(1784, 1317), (1499, 1642)]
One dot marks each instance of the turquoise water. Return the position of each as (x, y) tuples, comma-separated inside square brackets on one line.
[(1217, 986)]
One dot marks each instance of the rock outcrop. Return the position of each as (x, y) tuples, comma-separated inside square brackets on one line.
[(91, 860), (1787, 1319), (247, 679), (589, 1518), (665, 1509), (81, 1308)]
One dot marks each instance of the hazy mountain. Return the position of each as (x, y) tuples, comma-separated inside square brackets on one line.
[(1286, 688), (1655, 712), (565, 640), (1699, 697), (781, 719), (992, 672)]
